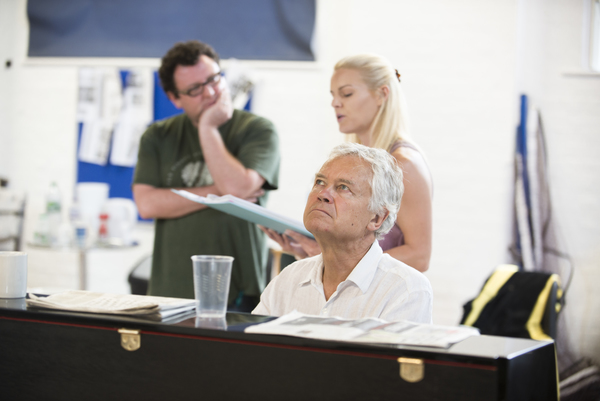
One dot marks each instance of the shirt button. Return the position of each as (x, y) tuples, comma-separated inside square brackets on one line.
[(324, 312)]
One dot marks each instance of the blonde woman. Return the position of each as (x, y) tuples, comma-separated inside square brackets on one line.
[(370, 108)]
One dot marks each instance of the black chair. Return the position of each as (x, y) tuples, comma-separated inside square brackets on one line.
[(140, 276)]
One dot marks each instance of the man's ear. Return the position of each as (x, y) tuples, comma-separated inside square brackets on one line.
[(383, 93), (377, 221), (174, 99)]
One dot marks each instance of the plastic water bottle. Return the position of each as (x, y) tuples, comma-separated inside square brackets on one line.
[(53, 210), (80, 230), (53, 199)]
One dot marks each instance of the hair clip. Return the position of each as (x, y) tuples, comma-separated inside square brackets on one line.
[(398, 76)]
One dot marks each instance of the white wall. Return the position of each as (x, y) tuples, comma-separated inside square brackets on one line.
[(550, 71), (8, 27), (463, 64)]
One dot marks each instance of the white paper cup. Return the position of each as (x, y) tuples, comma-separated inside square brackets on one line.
[(212, 275), (13, 274)]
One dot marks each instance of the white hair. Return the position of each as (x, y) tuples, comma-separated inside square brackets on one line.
[(386, 182)]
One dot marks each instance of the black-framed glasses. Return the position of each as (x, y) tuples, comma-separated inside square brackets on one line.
[(198, 89)]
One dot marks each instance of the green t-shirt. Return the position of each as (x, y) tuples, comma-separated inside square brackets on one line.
[(170, 157)]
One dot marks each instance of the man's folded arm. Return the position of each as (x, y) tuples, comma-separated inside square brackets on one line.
[(161, 203)]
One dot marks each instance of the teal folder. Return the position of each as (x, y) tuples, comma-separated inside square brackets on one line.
[(247, 211)]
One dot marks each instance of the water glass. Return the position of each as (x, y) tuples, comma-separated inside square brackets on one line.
[(212, 275)]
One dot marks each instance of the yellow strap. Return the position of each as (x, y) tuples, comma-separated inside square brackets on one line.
[(534, 326), (489, 291)]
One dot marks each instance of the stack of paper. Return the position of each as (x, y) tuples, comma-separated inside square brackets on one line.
[(155, 308), (366, 330)]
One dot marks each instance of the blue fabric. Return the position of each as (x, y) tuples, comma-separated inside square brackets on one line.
[(521, 149), (522, 146)]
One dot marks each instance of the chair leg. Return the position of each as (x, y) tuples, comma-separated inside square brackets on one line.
[(276, 262)]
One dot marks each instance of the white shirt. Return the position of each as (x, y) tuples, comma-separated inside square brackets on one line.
[(379, 286)]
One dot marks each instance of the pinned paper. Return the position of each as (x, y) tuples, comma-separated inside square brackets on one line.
[(240, 82), (135, 116), (95, 142), (98, 108)]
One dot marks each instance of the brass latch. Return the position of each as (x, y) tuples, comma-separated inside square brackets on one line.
[(411, 369), (130, 339)]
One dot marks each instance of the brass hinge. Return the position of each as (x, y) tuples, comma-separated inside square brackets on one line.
[(411, 369), (130, 339)]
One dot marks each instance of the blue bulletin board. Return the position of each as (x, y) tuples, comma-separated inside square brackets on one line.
[(118, 177)]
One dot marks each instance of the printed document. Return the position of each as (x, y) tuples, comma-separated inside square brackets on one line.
[(366, 330)]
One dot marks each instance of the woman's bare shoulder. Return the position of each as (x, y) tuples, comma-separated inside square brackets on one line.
[(412, 163)]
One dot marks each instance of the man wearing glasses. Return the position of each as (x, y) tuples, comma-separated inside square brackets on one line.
[(209, 149)]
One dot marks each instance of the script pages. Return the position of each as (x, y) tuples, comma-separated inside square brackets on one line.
[(367, 330), (154, 308), (247, 211)]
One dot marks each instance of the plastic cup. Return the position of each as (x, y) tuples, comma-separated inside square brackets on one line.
[(214, 323), (212, 274)]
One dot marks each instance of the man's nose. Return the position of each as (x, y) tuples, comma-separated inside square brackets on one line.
[(325, 196)]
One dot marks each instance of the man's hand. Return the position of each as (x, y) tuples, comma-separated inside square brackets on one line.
[(294, 243), (220, 111), (253, 198), (229, 174)]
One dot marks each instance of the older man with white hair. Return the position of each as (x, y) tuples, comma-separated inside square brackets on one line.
[(354, 201)]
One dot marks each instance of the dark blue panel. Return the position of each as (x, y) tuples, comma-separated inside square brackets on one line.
[(249, 29), (118, 177), (163, 107)]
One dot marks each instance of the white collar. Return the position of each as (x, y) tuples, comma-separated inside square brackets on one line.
[(362, 274)]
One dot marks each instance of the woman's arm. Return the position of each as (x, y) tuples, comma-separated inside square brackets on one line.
[(414, 217)]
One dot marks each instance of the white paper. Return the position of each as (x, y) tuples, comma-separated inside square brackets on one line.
[(98, 109), (112, 96), (95, 142), (114, 304), (240, 82), (136, 115), (367, 330), (90, 92)]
